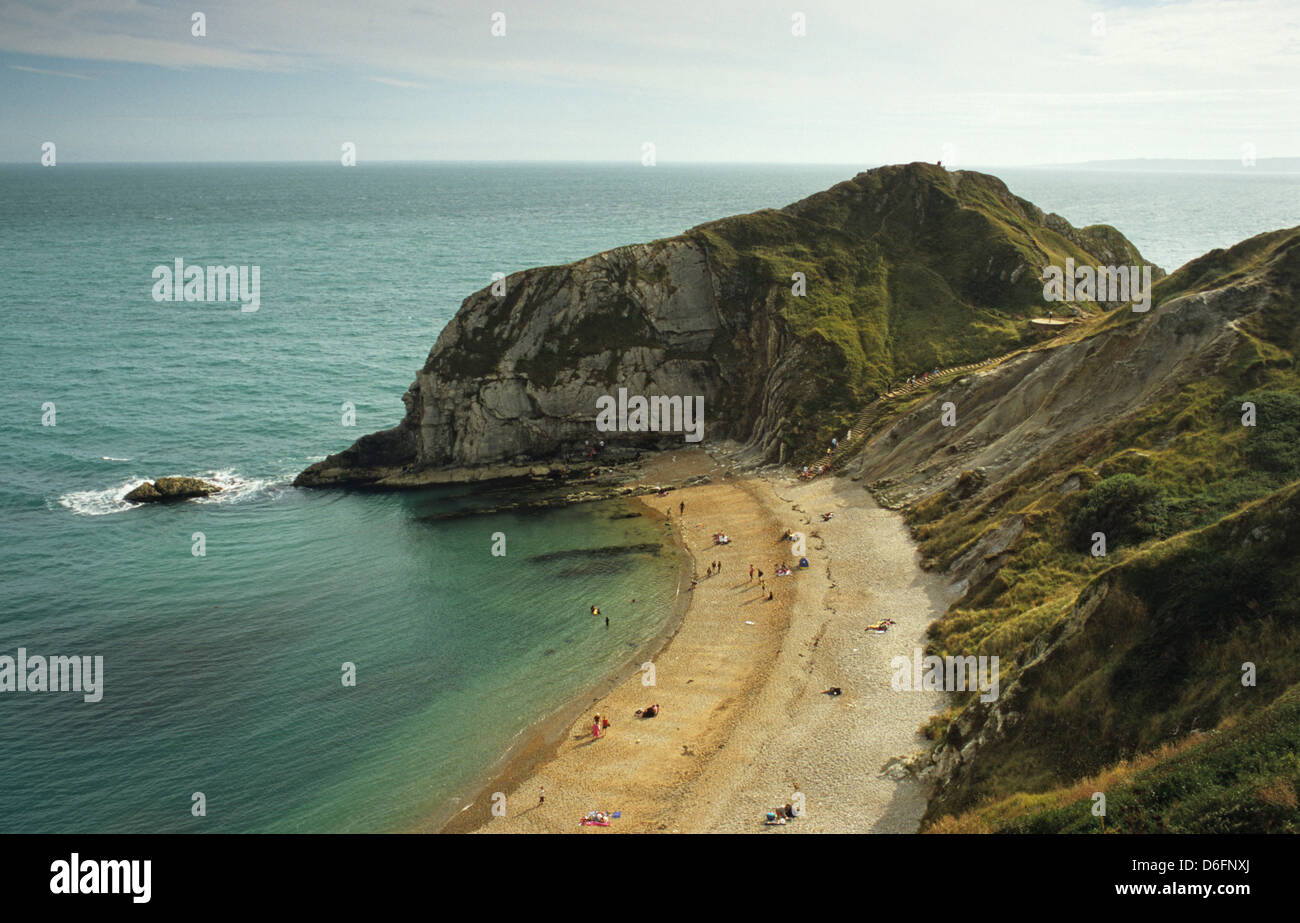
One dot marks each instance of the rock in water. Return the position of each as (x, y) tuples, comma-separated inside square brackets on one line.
[(145, 493), (171, 489)]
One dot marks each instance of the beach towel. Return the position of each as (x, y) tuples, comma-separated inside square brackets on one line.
[(591, 820)]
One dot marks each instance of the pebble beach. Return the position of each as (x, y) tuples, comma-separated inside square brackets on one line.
[(745, 723)]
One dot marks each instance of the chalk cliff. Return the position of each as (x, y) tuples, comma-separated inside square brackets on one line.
[(903, 268)]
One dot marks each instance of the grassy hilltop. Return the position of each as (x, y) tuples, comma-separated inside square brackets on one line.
[(907, 268)]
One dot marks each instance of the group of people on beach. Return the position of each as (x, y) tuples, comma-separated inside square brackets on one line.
[(781, 815), (600, 723), (762, 587)]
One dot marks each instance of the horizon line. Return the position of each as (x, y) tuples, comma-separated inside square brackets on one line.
[(636, 163)]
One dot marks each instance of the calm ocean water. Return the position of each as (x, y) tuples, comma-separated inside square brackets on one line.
[(222, 672)]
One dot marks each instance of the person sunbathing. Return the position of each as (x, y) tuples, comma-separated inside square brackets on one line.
[(648, 712), (882, 625)]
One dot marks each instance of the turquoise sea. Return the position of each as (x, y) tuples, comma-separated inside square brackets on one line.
[(222, 671)]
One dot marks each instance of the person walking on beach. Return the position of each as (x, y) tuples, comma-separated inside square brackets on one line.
[(595, 727), (751, 573), (681, 508), (542, 798)]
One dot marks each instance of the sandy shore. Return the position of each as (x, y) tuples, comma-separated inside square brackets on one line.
[(744, 724)]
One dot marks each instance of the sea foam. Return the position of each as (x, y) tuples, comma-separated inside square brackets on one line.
[(234, 488)]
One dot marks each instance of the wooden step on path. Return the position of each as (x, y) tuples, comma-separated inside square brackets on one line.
[(869, 413)]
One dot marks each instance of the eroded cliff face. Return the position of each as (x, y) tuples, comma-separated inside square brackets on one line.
[(1014, 416), (517, 378), (513, 381)]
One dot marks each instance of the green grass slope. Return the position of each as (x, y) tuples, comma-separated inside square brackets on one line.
[(907, 268), (1201, 572)]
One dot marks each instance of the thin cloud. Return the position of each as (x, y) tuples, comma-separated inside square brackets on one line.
[(38, 70), (391, 82)]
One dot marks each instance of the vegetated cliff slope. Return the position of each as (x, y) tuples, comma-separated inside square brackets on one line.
[(906, 267), (1139, 693), (1135, 432)]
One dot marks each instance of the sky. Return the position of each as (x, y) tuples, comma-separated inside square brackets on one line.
[(996, 82)]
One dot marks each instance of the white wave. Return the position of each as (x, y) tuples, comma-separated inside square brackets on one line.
[(234, 488), (100, 502), (112, 458)]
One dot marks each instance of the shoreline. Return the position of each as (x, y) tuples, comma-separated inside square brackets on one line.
[(542, 741), (744, 725)]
